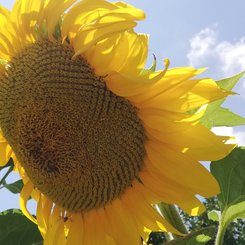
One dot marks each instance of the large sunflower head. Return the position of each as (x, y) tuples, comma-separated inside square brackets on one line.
[(96, 140)]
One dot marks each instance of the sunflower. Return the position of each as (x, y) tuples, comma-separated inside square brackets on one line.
[(96, 138)]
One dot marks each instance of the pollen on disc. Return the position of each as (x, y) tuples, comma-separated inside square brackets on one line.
[(80, 144)]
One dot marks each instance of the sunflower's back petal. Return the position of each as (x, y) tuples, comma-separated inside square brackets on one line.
[(5, 153), (6, 47), (129, 86), (95, 13), (25, 15), (24, 196), (123, 52), (145, 214), (60, 236), (89, 22), (106, 224), (9, 40), (55, 231), (183, 98), (124, 227), (82, 14), (42, 225), (171, 79), (196, 141), (192, 206), (53, 10), (91, 227), (174, 164), (86, 38), (108, 52), (137, 53), (76, 227), (166, 190)]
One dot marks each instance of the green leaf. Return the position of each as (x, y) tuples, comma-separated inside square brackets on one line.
[(230, 82), (230, 173), (14, 187), (15, 228), (214, 215), (195, 238), (216, 115), (151, 69), (222, 117), (9, 164)]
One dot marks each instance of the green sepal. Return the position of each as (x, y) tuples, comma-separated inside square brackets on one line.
[(216, 115), (195, 238), (57, 31), (151, 69), (214, 215)]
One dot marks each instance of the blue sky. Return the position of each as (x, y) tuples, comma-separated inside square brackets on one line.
[(203, 33)]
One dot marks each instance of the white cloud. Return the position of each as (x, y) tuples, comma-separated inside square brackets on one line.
[(206, 49), (227, 131), (201, 46), (224, 58)]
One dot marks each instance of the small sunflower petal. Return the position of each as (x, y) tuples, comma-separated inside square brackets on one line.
[(76, 227), (123, 52), (173, 164), (24, 196), (128, 232), (187, 95), (53, 10), (87, 38)]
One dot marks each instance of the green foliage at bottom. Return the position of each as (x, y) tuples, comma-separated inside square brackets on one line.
[(16, 229), (235, 233)]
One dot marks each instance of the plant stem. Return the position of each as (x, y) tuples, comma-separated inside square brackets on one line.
[(6, 175), (171, 214), (220, 234)]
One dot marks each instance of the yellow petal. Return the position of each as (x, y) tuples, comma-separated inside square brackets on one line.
[(173, 164), (40, 221), (55, 231), (123, 52), (106, 226), (5, 153), (128, 86), (171, 79), (170, 191), (25, 15), (83, 13), (9, 39), (24, 196), (93, 225), (53, 10), (187, 95), (192, 206), (86, 38), (76, 230), (127, 234), (150, 218), (96, 13), (44, 207), (196, 141)]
